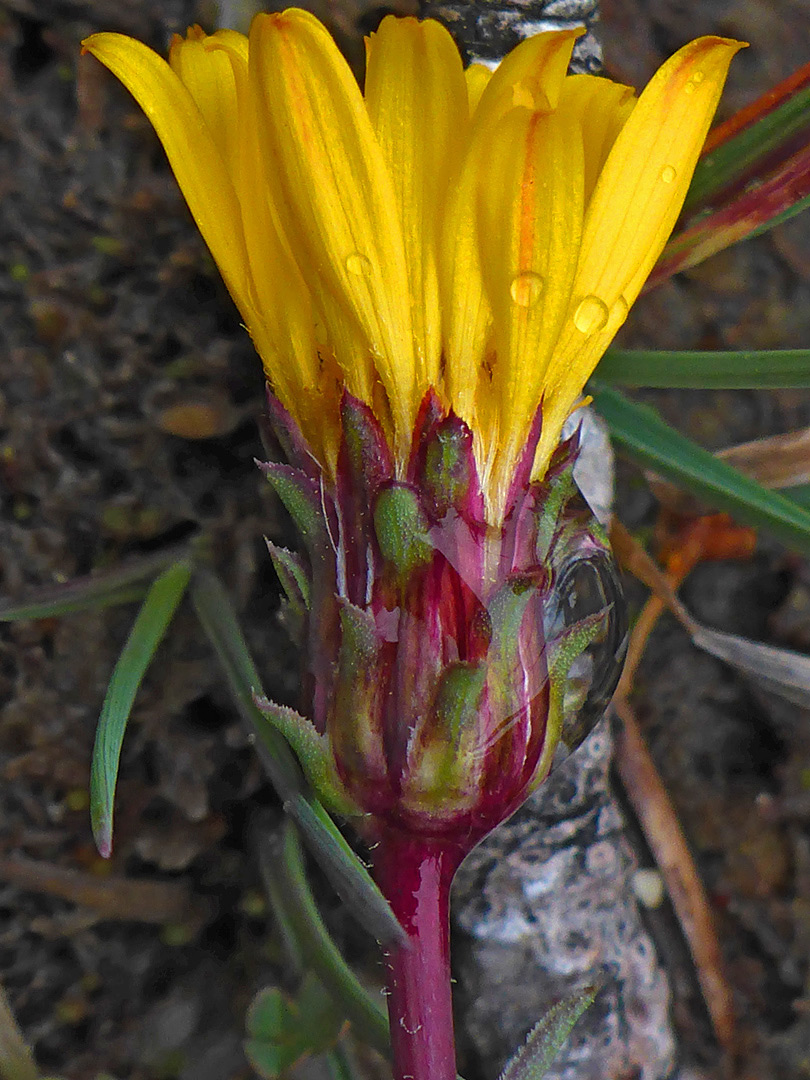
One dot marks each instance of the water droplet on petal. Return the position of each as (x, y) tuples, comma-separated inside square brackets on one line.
[(668, 174), (591, 316), (689, 88), (357, 264), (618, 314), (526, 288), (697, 77)]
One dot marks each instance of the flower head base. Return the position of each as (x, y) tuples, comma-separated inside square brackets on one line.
[(478, 235), (441, 648)]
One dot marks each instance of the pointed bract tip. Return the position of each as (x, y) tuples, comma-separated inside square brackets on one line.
[(525, 463), (103, 838)]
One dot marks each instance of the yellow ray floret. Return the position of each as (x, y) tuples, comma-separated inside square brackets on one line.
[(484, 234)]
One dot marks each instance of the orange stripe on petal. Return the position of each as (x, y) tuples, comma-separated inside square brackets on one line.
[(641, 189), (531, 207), (340, 201), (531, 76)]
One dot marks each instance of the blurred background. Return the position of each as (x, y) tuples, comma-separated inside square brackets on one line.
[(130, 401)]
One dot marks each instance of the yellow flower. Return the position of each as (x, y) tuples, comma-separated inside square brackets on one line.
[(480, 234)]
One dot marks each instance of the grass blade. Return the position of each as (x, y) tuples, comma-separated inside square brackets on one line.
[(218, 618), (285, 877), (782, 216), (775, 197), (744, 370), (119, 586), (147, 632), (347, 875), (647, 438), (782, 671), (799, 495), (341, 865)]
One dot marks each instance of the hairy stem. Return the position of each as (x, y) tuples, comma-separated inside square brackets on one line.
[(415, 876)]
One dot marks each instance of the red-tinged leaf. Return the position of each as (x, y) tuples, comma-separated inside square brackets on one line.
[(752, 145), (431, 411), (306, 502), (779, 196), (763, 106), (523, 471)]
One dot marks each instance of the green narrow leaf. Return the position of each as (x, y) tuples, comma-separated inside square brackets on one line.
[(545, 1040), (799, 495), (744, 370), (285, 876), (218, 618), (645, 436), (215, 611), (292, 575), (349, 877), (147, 632), (301, 497), (339, 1064), (314, 755), (119, 586)]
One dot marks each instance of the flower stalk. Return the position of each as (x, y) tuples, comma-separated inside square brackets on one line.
[(416, 876)]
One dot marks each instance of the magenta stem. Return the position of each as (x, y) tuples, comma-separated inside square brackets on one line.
[(415, 876)]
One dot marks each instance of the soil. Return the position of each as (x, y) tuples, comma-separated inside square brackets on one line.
[(130, 407)]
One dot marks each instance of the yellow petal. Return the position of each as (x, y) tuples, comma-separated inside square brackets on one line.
[(531, 76), (341, 206), (233, 41), (635, 205), (417, 101), (349, 345), (208, 75), (190, 147), (467, 316), (531, 211), (477, 76), (647, 174), (215, 71), (599, 108)]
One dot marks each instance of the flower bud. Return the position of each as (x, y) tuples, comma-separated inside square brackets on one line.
[(446, 656)]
